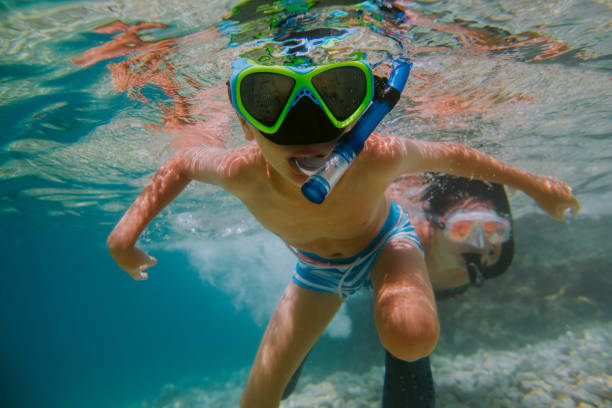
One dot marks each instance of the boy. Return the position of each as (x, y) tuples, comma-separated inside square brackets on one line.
[(292, 119)]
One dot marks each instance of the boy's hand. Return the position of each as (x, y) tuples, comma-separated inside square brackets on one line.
[(556, 198), (134, 261)]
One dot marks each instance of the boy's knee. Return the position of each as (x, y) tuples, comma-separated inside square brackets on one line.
[(410, 339)]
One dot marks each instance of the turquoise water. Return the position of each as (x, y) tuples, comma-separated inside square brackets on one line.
[(88, 115)]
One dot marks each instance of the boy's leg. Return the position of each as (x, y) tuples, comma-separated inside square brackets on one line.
[(298, 321), (404, 305)]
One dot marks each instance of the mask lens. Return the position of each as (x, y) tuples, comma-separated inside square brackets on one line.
[(343, 90), (494, 226), (459, 230), (496, 232), (265, 94)]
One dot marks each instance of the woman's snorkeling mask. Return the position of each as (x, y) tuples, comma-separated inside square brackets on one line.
[(475, 228), (333, 95)]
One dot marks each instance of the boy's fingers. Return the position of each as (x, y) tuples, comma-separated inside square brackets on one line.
[(570, 210), (142, 275), (148, 262), (138, 275)]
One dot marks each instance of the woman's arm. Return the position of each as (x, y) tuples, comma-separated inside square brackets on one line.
[(552, 195), (201, 164)]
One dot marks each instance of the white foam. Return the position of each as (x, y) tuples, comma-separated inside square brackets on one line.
[(253, 271), (340, 327)]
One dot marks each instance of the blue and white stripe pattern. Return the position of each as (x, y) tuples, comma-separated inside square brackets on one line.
[(346, 276)]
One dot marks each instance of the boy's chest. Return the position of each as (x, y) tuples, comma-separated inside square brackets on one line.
[(296, 220)]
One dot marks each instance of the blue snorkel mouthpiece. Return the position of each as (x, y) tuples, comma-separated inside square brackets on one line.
[(318, 186)]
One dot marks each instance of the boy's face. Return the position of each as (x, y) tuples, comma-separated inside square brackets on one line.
[(297, 115), (289, 161)]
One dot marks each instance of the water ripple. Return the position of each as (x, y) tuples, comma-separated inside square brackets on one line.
[(90, 106)]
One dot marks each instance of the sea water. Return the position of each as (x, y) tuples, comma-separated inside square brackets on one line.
[(92, 104)]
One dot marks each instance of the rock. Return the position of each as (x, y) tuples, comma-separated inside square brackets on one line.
[(537, 397), (564, 401), (582, 395)]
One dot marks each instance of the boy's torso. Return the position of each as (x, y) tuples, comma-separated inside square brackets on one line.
[(341, 227)]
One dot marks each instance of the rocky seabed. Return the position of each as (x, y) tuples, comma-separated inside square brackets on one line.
[(572, 371)]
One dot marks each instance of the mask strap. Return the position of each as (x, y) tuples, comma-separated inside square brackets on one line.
[(472, 262)]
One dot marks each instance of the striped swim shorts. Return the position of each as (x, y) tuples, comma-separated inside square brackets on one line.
[(346, 276)]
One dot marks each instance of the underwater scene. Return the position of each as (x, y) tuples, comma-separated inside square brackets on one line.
[(97, 94)]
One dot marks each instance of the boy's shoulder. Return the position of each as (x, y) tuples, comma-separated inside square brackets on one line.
[(385, 157), (382, 147), (242, 163), (247, 155)]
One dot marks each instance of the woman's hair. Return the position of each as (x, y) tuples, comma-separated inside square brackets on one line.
[(443, 192)]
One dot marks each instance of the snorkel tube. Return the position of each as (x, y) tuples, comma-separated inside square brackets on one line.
[(319, 185)]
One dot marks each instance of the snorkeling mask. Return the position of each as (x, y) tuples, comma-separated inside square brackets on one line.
[(325, 99), (477, 228)]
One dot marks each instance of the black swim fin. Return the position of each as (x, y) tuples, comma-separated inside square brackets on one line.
[(408, 384), (293, 381)]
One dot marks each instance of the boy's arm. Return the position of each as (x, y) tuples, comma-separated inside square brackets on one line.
[(552, 195), (201, 164)]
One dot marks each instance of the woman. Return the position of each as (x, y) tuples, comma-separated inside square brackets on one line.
[(465, 228)]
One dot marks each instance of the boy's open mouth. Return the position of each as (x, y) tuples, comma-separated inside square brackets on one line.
[(309, 164)]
